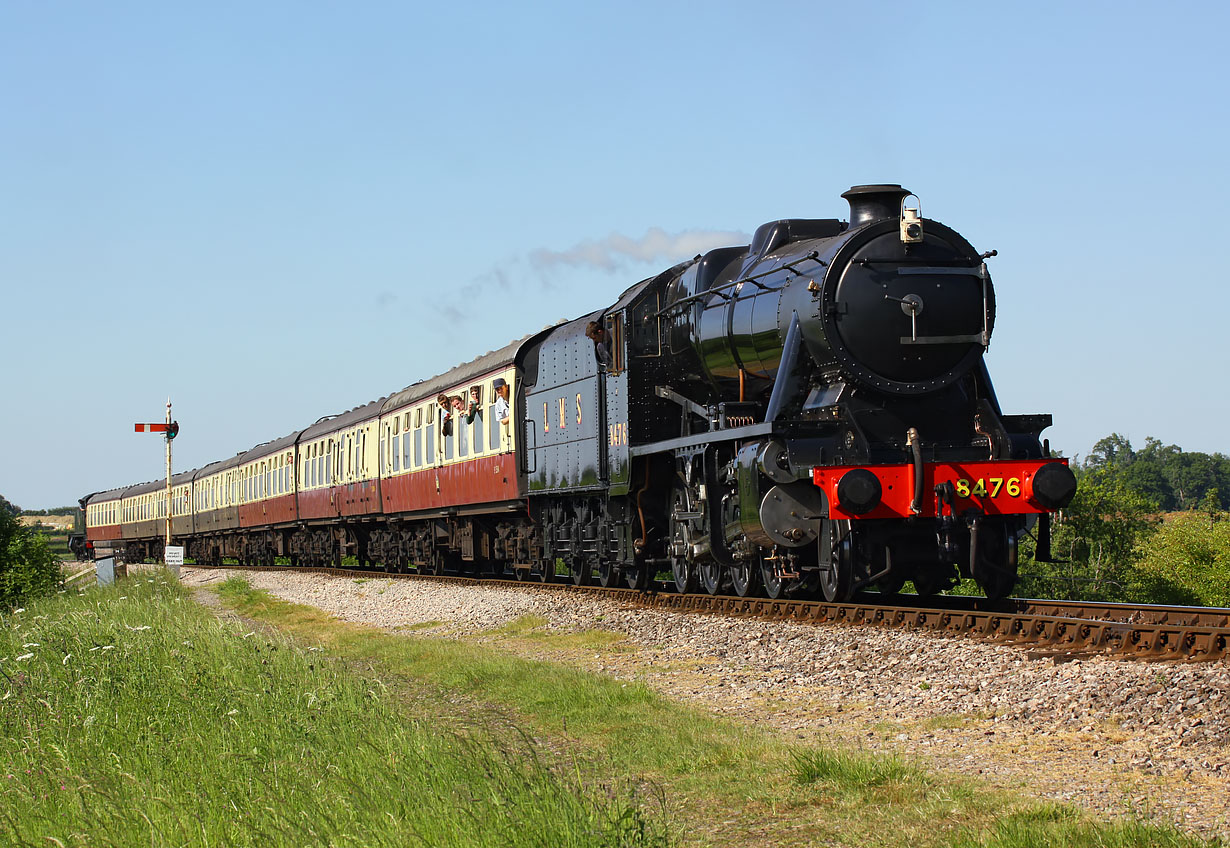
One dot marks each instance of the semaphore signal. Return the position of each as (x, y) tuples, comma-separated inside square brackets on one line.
[(169, 429)]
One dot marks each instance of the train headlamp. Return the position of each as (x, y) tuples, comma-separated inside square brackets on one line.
[(911, 226)]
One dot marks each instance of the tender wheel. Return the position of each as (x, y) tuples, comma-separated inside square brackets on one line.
[(608, 574), (637, 577), (745, 577), (581, 570)]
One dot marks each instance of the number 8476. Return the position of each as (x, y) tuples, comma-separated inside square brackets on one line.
[(988, 487)]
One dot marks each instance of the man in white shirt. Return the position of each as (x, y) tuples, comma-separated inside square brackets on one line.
[(500, 408)]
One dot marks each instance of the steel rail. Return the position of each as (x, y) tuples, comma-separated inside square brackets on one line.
[(1056, 628)]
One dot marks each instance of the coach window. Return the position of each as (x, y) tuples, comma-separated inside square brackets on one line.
[(418, 439), (397, 444), (494, 423), (407, 445), (409, 459), (476, 394)]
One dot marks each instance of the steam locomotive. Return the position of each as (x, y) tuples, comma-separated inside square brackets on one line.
[(807, 413)]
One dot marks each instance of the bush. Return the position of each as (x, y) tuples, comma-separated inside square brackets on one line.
[(1187, 561), (27, 567), (1096, 539)]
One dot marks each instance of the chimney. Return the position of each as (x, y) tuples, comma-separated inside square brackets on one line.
[(869, 203)]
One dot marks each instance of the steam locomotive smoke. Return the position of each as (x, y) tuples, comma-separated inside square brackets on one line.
[(617, 251)]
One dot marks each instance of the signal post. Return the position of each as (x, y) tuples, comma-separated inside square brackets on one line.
[(170, 430)]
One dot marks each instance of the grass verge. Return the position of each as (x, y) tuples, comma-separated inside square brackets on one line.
[(132, 716), (724, 783)]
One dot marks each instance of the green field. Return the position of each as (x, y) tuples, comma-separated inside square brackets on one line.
[(135, 716)]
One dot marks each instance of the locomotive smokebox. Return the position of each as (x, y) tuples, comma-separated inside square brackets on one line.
[(870, 203)]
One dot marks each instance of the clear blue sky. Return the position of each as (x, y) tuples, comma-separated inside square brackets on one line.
[(272, 211)]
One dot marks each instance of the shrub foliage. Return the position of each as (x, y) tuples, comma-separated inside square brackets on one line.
[(27, 568)]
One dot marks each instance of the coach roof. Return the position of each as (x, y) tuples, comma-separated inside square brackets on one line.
[(459, 376)]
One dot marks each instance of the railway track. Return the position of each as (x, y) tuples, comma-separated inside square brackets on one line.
[(1062, 629)]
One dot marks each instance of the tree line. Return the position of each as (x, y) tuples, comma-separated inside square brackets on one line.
[(1166, 475), (1147, 525)]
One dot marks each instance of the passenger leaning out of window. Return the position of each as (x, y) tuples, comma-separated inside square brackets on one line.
[(446, 417), (500, 407), (596, 333)]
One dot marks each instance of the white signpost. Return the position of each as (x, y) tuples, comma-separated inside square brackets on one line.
[(174, 558)]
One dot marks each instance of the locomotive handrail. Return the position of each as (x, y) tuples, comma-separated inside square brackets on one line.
[(764, 428), (958, 270), (753, 279)]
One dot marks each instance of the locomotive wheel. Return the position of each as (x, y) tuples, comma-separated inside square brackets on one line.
[(712, 577), (684, 572), (837, 577), (774, 585), (582, 571), (890, 585), (997, 563), (745, 577), (808, 585), (547, 575), (608, 574), (928, 582)]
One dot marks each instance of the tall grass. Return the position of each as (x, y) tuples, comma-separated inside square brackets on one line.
[(131, 716)]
